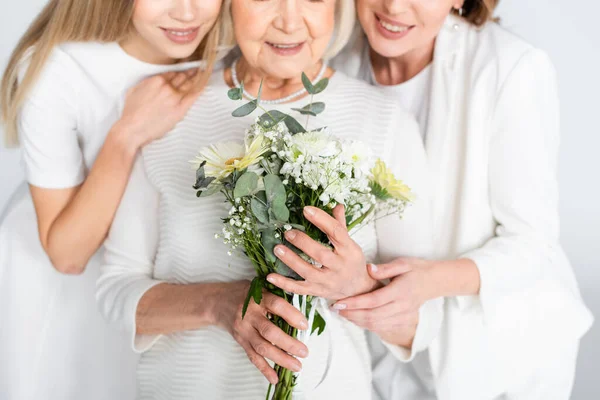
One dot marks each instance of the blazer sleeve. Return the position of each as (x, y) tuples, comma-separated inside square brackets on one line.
[(128, 269), (523, 187)]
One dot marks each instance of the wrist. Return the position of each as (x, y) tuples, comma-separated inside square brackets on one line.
[(450, 278), (123, 136)]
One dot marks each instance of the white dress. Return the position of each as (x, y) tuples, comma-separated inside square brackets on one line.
[(54, 345), (163, 233)]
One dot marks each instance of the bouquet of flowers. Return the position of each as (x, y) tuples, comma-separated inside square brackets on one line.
[(268, 180)]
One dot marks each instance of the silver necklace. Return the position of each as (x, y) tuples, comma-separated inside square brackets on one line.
[(285, 99)]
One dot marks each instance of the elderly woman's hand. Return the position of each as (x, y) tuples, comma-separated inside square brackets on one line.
[(392, 312), (343, 271), (259, 337)]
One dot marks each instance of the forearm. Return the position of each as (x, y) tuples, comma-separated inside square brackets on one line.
[(452, 278), (81, 227), (168, 308)]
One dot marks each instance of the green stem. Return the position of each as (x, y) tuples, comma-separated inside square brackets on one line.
[(308, 115)]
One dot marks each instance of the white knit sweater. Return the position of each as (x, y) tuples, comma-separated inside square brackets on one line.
[(163, 233)]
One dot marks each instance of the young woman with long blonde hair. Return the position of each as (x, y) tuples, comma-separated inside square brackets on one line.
[(75, 95)]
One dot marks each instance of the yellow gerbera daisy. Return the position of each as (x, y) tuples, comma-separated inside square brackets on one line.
[(384, 184)]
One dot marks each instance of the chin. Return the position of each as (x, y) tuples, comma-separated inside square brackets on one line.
[(388, 50)]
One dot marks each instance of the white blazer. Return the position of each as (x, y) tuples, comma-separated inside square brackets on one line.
[(492, 144)]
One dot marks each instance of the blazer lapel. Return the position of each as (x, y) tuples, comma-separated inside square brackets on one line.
[(443, 97)]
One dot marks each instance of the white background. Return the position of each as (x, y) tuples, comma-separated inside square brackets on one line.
[(568, 31)]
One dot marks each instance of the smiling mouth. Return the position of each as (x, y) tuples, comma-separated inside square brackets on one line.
[(285, 46), (391, 27)]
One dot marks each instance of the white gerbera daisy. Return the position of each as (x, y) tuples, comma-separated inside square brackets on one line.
[(225, 157)]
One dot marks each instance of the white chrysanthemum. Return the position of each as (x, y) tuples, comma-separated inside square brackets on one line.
[(314, 144)]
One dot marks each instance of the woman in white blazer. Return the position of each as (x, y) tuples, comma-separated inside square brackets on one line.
[(491, 310)]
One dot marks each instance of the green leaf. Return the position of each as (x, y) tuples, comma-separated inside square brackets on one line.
[(235, 94), (246, 109), (282, 269), (260, 210), (321, 85), (311, 109), (293, 125), (272, 118), (307, 84), (212, 189), (274, 189), (246, 185), (318, 324), (280, 211), (254, 292), (269, 241)]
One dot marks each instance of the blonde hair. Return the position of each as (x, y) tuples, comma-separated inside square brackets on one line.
[(345, 18), (74, 21), (478, 12)]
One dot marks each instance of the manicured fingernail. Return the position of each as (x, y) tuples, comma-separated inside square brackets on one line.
[(303, 325), (373, 267), (271, 279), (273, 381), (339, 306), (279, 251), (290, 235), (309, 210), (297, 367), (303, 353)]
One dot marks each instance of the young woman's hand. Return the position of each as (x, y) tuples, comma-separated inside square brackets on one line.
[(156, 105)]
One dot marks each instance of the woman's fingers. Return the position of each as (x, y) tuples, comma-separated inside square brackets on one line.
[(323, 255), (259, 362), (278, 306), (374, 299), (179, 80), (295, 262), (371, 316), (390, 270), (294, 286), (267, 350), (339, 213), (336, 231)]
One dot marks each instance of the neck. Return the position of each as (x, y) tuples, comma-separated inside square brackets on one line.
[(273, 87), (397, 70), (139, 48)]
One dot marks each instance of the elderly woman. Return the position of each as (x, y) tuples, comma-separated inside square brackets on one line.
[(507, 315), (171, 284)]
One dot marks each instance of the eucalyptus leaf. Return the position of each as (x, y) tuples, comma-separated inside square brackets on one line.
[(271, 118), (246, 185), (307, 84), (255, 292), (298, 227), (235, 94), (246, 109), (280, 211), (282, 269), (311, 109), (210, 190), (321, 85), (293, 125), (260, 210), (269, 241), (274, 189)]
